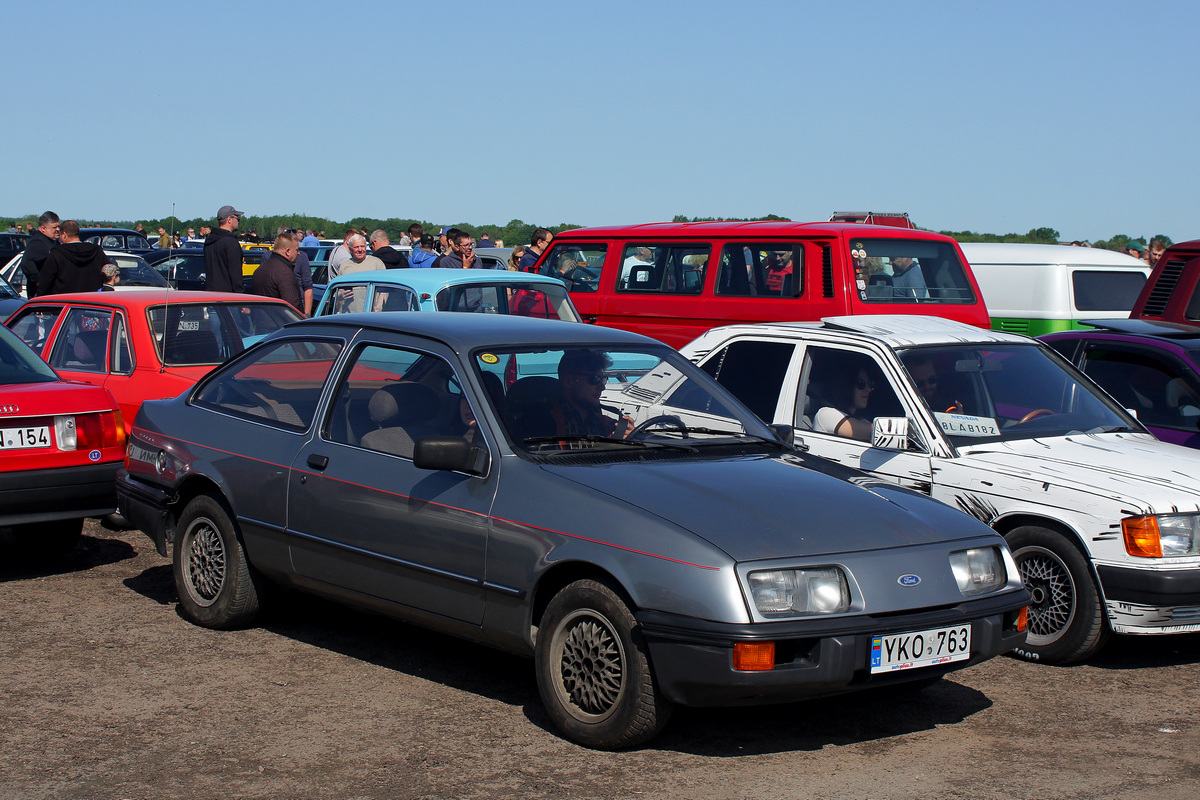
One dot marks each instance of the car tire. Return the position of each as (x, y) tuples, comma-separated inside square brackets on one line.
[(216, 585), (1066, 618), (594, 672), (47, 541)]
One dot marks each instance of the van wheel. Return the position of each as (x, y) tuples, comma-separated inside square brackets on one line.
[(593, 671), (217, 587), (1066, 617)]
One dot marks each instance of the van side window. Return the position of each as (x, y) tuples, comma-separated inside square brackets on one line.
[(761, 269), (663, 269), (909, 271)]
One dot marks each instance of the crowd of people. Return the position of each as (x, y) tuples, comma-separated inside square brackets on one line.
[(81, 266), (1136, 249), (57, 261)]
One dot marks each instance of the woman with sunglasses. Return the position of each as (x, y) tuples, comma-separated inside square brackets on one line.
[(850, 394)]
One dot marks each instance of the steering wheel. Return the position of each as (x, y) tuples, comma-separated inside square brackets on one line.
[(661, 419), (1037, 412)]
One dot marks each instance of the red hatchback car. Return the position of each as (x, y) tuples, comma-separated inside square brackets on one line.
[(145, 344), (60, 446)]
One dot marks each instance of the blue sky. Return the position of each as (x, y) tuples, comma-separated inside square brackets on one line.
[(992, 117)]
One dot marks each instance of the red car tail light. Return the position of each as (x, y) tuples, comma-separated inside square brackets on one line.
[(92, 431)]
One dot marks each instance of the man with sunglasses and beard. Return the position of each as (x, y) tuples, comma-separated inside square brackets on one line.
[(577, 412), (926, 378)]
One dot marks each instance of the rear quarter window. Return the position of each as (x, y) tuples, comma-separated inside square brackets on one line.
[(1107, 290)]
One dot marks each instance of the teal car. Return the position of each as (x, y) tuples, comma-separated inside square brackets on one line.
[(465, 290)]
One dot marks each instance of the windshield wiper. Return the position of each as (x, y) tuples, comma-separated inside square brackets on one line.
[(591, 438), (716, 432)]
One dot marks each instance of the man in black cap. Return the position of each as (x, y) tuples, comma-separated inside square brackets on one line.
[(223, 254)]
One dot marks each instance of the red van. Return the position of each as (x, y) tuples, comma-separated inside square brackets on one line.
[(674, 281), (1172, 292)]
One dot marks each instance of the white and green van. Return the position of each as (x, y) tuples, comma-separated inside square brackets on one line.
[(1040, 288)]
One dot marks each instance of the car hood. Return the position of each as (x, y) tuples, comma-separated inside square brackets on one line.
[(1137, 469), (759, 507)]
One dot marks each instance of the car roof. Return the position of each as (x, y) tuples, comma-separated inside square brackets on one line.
[(758, 228), (1187, 336), (142, 298), (1003, 253), (462, 331), (431, 280), (111, 230), (894, 330)]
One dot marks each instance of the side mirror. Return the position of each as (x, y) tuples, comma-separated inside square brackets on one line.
[(786, 433), (452, 453), (890, 433)]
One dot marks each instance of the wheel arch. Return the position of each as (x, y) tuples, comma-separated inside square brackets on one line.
[(1008, 524), (561, 575), (191, 488)]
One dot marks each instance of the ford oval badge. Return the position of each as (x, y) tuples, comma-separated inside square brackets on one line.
[(95, 455), (908, 580)]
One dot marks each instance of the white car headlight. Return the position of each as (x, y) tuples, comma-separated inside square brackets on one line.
[(820, 590), (978, 570), (1162, 535)]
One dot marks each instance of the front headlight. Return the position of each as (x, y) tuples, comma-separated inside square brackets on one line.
[(820, 590), (1162, 535), (978, 570)]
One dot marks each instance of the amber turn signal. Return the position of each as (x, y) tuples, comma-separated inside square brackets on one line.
[(1022, 619), (1141, 537), (754, 656)]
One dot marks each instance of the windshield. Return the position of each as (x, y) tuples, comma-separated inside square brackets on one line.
[(1009, 391), (548, 301), (7, 290), (19, 364), (136, 272), (909, 271), (614, 399), (191, 334)]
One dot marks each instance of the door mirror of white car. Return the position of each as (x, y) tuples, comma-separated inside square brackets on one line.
[(890, 433), (786, 433)]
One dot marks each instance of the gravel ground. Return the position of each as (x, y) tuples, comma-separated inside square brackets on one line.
[(108, 692)]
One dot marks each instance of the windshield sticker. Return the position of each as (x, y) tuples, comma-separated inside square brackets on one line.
[(966, 425), (489, 358), (188, 325)]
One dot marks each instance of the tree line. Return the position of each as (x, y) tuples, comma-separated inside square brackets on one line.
[(519, 232)]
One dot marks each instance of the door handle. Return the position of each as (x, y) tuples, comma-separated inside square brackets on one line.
[(590, 320), (318, 461)]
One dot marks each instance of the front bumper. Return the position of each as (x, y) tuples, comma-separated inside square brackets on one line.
[(46, 495), (1145, 601), (145, 506), (693, 659)]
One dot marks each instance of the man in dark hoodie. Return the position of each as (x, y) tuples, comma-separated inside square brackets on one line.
[(223, 254), (73, 266), (40, 243)]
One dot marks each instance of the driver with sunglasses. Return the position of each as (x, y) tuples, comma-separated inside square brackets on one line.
[(577, 411), (926, 378)]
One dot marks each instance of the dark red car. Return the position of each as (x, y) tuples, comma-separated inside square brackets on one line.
[(1172, 292), (61, 443)]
